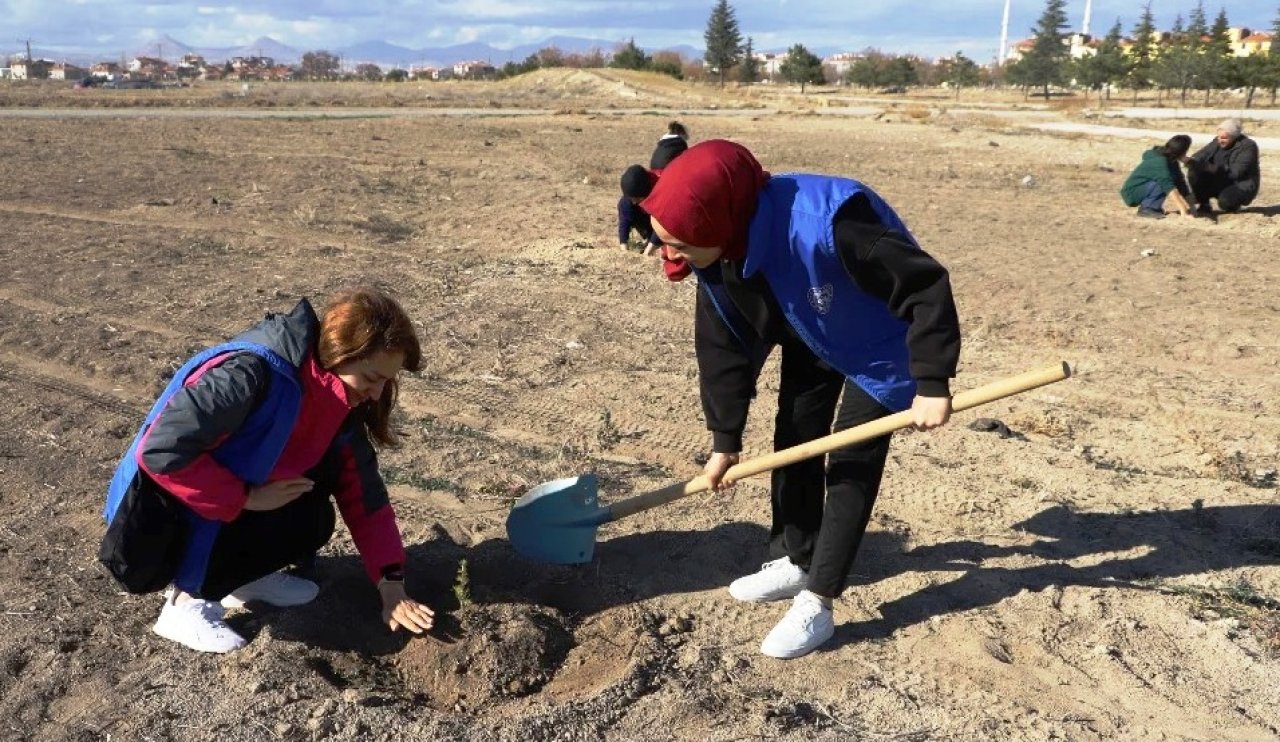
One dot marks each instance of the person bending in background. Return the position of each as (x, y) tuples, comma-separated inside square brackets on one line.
[(1158, 177), (822, 268), (245, 448), (670, 146), (1227, 169), (637, 182)]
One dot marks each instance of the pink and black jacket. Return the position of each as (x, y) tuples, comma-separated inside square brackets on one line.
[(257, 409)]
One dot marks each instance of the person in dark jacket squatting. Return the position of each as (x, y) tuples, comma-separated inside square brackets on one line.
[(248, 444), (637, 182), (822, 268), (1226, 169), (1158, 177)]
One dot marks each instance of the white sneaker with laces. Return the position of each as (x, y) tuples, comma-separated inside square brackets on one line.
[(197, 624), (277, 588), (776, 580), (807, 626)]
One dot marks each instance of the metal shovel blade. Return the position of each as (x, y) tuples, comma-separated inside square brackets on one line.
[(556, 522)]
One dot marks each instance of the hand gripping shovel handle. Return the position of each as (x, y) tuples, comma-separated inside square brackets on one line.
[(874, 429)]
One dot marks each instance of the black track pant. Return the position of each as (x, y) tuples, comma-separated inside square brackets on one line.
[(1217, 185), (258, 543), (822, 534)]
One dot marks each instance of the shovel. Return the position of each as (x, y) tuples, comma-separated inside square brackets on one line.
[(556, 521)]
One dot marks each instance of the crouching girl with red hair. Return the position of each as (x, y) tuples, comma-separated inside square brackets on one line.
[(230, 478)]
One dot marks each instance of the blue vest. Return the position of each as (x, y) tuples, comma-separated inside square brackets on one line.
[(792, 243), (251, 451)]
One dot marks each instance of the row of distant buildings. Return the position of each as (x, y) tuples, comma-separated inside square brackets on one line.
[(1244, 42), (472, 70), (190, 67), (194, 67)]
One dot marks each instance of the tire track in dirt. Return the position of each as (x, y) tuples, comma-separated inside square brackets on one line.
[(559, 420), (314, 237), (47, 377), (55, 303)]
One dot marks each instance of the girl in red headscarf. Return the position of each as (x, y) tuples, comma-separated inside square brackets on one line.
[(823, 269)]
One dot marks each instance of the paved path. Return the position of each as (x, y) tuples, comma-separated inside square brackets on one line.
[(352, 113), (1271, 144), (1027, 118), (1269, 114)]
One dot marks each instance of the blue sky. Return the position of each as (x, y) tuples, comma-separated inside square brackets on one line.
[(927, 27)]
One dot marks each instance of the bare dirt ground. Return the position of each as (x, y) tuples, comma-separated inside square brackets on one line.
[(1112, 572)]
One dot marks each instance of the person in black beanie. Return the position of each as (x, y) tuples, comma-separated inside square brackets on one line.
[(637, 182)]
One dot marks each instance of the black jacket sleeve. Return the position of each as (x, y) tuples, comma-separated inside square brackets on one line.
[(1202, 160), (199, 416), (1179, 181), (726, 376), (888, 265)]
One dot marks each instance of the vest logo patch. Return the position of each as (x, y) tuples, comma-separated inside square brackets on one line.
[(820, 298)]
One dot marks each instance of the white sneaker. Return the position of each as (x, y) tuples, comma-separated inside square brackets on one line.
[(197, 624), (776, 580), (807, 626), (277, 588)]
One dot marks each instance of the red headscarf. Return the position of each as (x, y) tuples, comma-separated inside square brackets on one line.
[(706, 198)]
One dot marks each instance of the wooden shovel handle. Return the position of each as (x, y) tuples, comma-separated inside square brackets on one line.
[(874, 429)]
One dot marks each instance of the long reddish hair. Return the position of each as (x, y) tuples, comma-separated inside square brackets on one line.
[(357, 323)]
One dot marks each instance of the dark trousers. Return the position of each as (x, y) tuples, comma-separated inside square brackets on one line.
[(258, 543), (1217, 185), (820, 516)]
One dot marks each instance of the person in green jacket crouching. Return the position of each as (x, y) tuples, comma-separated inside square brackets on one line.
[(1158, 177)]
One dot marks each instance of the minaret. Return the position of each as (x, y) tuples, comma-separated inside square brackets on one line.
[(1088, 11), (1004, 33)]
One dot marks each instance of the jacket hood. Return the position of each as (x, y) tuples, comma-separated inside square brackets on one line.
[(292, 336)]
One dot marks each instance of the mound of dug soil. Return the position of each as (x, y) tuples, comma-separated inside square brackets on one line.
[(491, 652)]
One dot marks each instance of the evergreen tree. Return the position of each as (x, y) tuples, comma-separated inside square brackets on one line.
[(865, 71), (1142, 53), (1017, 73), (962, 73), (1217, 66), (1111, 57), (1177, 66), (1253, 72), (1194, 42), (630, 57), (801, 66), (749, 69), (901, 72), (1045, 64), (1273, 56), (724, 42), (1104, 68)]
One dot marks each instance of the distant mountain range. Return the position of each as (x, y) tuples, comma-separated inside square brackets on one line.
[(381, 53)]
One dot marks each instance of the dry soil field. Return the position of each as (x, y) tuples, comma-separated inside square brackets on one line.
[(1111, 572)]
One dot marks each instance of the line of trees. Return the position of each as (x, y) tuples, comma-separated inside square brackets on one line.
[(1194, 55)]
